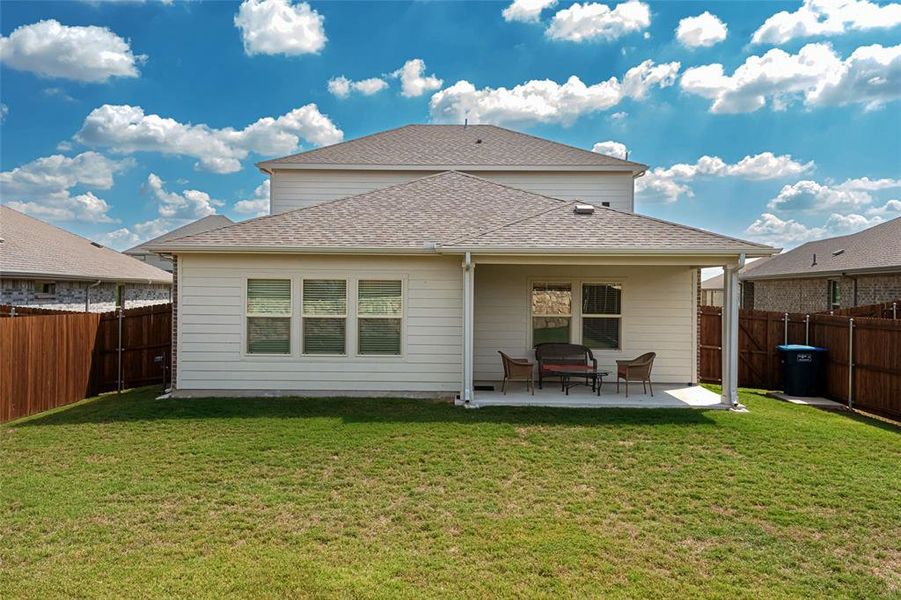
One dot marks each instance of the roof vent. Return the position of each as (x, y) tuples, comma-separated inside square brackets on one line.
[(837, 252), (814, 263), (97, 244), (479, 141), (583, 209)]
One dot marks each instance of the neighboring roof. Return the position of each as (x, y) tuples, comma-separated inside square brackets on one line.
[(199, 226), (456, 212), (871, 250), (716, 282), (446, 147), (713, 283), (32, 248)]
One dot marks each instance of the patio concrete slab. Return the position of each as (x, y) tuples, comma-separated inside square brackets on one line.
[(665, 396), (817, 401)]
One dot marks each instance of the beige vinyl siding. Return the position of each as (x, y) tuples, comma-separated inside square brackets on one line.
[(658, 305), (292, 189), (211, 344)]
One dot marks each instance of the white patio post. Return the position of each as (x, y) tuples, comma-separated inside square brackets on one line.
[(724, 344), (730, 333), (468, 300)]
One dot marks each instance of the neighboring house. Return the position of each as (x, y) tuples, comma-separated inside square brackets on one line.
[(840, 272), (401, 262), (712, 287), (45, 266), (141, 253)]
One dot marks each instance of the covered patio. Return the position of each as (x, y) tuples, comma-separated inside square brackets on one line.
[(619, 306), (665, 396)]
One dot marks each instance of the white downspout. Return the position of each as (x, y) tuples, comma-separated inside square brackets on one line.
[(467, 397)]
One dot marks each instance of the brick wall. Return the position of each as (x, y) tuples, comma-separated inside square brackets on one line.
[(70, 295), (812, 295)]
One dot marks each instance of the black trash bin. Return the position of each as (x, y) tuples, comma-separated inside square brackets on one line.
[(802, 369)]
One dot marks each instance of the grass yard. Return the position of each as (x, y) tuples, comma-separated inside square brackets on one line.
[(134, 496)]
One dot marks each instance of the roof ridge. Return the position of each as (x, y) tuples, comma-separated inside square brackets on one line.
[(683, 226), (535, 137), (513, 222), (316, 206), (341, 143), (57, 227)]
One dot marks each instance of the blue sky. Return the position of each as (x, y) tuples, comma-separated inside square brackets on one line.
[(775, 121)]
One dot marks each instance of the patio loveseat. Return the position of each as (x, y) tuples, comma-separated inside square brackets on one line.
[(551, 354)]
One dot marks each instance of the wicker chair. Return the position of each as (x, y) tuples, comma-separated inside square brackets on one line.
[(517, 369), (637, 369)]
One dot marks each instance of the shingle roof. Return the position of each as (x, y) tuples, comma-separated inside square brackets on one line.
[(452, 146), (199, 226), (34, 248), (716, 282), (874, 249), (453, 209)]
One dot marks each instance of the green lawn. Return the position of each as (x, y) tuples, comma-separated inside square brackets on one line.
[(134, 496)]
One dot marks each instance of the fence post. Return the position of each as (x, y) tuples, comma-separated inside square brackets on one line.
[(12, 312), (119, 354), (807, 330), (894, 310), (851, 363), (785, 329)]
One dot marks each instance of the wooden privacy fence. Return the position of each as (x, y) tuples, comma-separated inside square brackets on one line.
[(863, 367), (50, 360)]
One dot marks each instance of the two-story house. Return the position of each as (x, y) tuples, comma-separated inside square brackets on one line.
[(400, 263)]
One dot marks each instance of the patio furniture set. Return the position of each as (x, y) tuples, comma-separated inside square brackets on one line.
[(574, 365)]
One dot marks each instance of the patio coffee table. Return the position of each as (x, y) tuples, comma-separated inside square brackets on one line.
[(568, 372)]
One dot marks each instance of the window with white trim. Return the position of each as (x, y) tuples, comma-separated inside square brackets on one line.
[(268, 316), (324, 315), (380, 311), (835, 295), (601, 315), (551, 307)]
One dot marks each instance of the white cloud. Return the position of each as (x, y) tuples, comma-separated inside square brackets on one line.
[(119, 239), (50, 49), (611, 148), (702, 31), (126, 129), (174, 209), (342, 87), (43, 187), (188, 205), (786, 233), (890, 209), (280, 27), (413, 81), (4, 110), (810, 196), (619, 116), (871, 75), (546, 101), (526, 11), (258, 205), (826, 18), (671, 183), (591, 21)]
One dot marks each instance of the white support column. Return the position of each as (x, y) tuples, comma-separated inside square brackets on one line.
[(730, 333), (466, 395), (725, 350)]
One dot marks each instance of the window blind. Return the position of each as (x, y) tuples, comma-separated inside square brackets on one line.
[(325, 297), (380, 298), (268, 316), (324, 316)]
